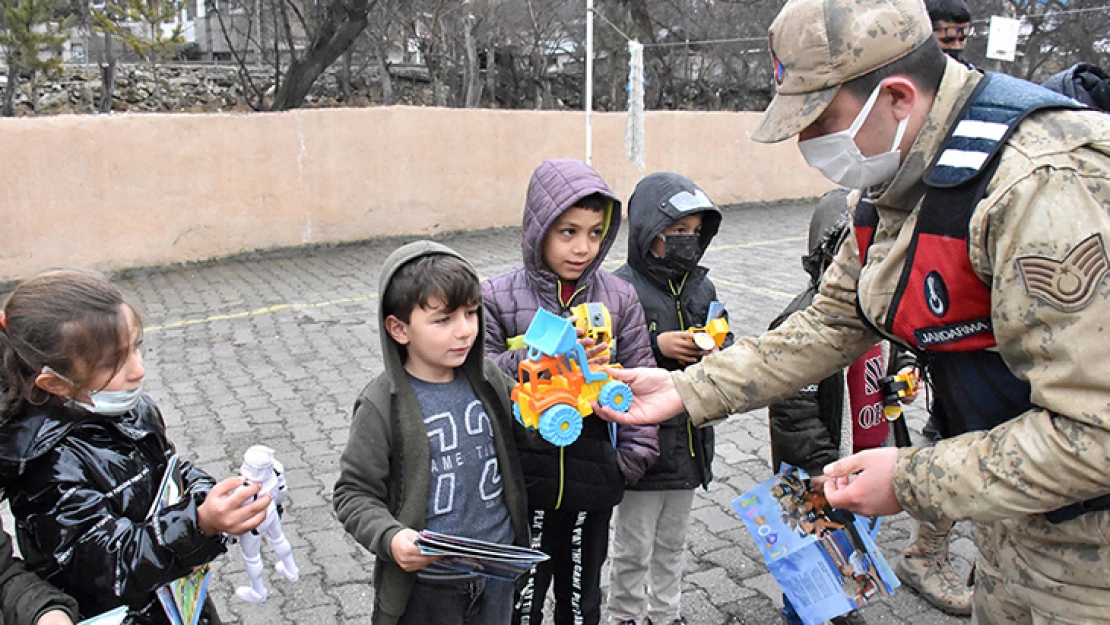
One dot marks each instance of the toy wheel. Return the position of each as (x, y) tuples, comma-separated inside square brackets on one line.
[(516, 413), (560, 425), (615, 395)]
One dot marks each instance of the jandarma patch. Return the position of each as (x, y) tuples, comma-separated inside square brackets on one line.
[(1070, 283)]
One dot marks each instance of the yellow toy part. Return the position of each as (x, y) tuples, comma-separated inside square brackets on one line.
[(594, 320)]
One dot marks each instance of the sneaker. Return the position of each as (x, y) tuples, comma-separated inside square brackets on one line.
[(852, 618), (789, 616)]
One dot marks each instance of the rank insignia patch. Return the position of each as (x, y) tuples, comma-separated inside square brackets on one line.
[(1070, 283)]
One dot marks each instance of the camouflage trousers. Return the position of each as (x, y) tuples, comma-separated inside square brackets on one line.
[(1031, 572)]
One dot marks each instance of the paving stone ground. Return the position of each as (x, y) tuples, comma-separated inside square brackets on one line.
[(274, 349)]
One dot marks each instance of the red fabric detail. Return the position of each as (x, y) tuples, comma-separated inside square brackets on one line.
[(566, 291), (863, 241), (968, 297), (865, 400)]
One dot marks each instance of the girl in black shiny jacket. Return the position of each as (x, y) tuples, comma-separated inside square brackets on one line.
[(83, 451)]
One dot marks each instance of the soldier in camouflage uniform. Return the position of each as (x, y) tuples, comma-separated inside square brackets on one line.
[(1035, 480)]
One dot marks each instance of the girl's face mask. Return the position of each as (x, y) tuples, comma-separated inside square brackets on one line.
[(107, 403)]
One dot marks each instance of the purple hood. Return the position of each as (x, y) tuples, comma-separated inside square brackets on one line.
[(555, 187), (512, 298)]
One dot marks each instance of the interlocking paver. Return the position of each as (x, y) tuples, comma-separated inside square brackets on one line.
[(274, 349)]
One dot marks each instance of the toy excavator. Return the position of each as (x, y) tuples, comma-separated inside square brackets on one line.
[(556, 384)]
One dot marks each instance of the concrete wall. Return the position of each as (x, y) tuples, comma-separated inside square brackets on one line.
[(120, 191)]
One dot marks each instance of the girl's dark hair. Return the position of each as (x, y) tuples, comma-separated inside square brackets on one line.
[(69, 320), (443, 276)]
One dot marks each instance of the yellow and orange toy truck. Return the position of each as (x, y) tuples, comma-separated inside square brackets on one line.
[(714, 332), (555, 383)]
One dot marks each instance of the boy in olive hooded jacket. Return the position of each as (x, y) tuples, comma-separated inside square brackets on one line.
[(431, 445)]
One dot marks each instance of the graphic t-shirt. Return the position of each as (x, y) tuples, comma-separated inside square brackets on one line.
[(865, 400), (464, 491)]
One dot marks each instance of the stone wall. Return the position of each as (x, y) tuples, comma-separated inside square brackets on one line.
[(194, 88)]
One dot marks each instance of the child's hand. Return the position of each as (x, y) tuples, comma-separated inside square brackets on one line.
[(405, 552), (680, 346), (54, 617), (909, 399), (596, 354), (234, 506)]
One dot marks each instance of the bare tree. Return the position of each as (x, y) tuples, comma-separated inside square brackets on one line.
[(473, 75), (297, 40)]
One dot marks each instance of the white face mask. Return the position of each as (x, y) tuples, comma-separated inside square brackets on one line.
[(108, 403), (838, 157)]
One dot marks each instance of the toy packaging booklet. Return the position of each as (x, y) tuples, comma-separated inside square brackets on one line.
[(183, 598), (824, 558), (111, 617), (469, 555)]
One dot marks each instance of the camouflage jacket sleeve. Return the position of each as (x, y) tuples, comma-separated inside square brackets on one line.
[(807, 347), (1039, 239)]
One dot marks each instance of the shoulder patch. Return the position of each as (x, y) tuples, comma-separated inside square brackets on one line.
[(1070, 283)]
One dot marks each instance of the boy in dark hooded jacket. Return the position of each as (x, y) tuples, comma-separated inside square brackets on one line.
[(571, 218), (671, 223), (431, 446)]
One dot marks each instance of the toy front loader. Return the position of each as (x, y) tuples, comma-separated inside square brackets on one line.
[(555, 384)]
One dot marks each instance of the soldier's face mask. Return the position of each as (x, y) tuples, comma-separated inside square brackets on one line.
[(837, 156)]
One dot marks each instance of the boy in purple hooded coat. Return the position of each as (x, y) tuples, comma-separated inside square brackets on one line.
[(571, 218)]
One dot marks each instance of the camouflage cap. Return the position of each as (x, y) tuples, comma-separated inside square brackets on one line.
[(818, 45)]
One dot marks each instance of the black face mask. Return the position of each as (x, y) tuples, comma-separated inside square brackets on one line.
[(683, 251), (958, 55)]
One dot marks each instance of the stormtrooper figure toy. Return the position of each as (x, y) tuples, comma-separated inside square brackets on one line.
[(259, 466)]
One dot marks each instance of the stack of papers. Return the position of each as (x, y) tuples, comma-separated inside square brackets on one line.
[(468, 555)]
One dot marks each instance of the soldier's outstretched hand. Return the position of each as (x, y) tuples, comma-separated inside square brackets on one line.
[(655, 398), (864, 482)]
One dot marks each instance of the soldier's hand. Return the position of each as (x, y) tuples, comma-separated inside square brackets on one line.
[(234, 506), (679, 346), (864, 482), (406, 553), (655, 397)]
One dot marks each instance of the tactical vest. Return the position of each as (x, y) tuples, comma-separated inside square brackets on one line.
[(940, 307)]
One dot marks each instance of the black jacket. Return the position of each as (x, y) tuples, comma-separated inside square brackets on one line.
[(685, 452), (81, 487), (1084, 82), (23, 596), (806, 426)]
